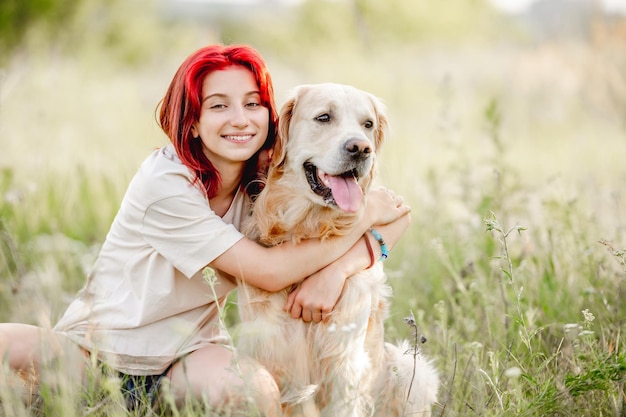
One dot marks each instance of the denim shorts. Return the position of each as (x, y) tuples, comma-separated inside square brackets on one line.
[(142, 390)]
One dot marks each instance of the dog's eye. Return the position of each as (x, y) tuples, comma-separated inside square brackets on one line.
[(323, 118), (368, 124)]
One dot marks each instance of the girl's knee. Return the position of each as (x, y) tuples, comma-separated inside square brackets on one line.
[(28, 349), (19, 345), (225, 381), (261, 387)]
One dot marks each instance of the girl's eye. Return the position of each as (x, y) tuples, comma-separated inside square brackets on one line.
[(323, 118), (253, 104), (368, 124), (218, 106)]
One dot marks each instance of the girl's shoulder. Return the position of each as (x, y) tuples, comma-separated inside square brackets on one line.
[(163, 175), (164, 162)]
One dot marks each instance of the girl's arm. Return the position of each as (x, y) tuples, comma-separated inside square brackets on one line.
[(316, 297), (277, 267)]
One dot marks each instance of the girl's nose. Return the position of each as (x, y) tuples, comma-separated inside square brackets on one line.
[(239, 117)]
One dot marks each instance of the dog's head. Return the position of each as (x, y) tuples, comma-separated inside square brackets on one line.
[(328, 138)]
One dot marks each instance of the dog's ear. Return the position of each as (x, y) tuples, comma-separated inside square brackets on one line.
[(284, 120), (382, 123)]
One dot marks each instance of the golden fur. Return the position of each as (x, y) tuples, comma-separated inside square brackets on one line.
[(343, 367)]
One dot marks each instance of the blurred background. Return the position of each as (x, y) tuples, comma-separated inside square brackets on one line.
[(83, 77)]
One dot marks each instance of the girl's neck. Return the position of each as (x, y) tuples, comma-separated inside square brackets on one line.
[(230, 176), (230, 182)]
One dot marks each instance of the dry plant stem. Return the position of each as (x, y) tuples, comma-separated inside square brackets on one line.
[(506, 359), (210, 277), (411, 322), (443, 409), (620, 256), (493, 225), (466, 377)]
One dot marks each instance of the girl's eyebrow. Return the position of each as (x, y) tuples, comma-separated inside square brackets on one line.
[(222, 95)]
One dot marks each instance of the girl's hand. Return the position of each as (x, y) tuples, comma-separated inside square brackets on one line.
[(384, 206), (315, 297)]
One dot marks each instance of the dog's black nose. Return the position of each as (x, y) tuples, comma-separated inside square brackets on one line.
[(358, 148)]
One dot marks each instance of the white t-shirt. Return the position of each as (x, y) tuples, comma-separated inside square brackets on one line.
[(145, 302)]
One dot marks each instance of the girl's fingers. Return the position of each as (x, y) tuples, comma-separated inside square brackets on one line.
[(296, 312), (290, 300)]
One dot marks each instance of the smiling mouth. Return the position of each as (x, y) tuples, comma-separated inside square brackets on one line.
[(238, 138), (340, 190)]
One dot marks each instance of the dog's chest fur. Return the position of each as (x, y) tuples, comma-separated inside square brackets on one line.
[(288, 215)]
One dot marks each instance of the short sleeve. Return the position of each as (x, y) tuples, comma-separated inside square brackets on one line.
[(187, 232)]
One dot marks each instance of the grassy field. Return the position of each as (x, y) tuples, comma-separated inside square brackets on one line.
[(511, 152)]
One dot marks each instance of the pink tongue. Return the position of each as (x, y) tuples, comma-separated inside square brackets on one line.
[(346, 192)]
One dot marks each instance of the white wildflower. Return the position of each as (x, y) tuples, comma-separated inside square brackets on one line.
[(513, 372), (209, 276), (588, 316)]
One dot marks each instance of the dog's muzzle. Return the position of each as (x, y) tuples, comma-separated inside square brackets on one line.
[(341, 190)]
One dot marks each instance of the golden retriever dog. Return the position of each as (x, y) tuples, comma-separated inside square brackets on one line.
[(322, 167)]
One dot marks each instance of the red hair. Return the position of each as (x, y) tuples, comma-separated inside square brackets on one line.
[(181, 106)]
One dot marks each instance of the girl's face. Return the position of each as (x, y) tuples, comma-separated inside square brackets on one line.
[(233, 124)]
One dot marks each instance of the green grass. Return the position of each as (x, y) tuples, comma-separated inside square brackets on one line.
[(512, 159)]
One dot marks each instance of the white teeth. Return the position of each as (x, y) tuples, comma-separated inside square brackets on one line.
[(243, 138), (323, 177)]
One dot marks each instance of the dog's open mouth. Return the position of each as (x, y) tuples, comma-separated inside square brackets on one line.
[(342, 190)]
